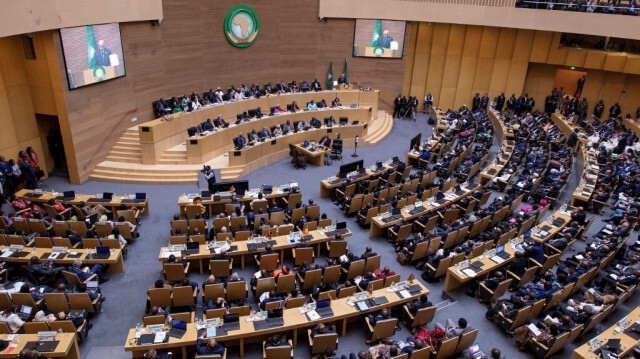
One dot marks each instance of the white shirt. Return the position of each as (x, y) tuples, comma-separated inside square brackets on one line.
[(13, 321)]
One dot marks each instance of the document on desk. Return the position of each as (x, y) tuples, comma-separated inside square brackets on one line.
[(211, 332), (159, 337), (6, 254), (469, 272), (532, 327), (313, 315), (404, 294), (362, 306)]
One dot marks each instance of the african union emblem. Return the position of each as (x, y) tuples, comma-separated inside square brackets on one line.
[(241, 26)]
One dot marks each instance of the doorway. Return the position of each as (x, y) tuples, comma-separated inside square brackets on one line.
[(52, 145), (568, 79)]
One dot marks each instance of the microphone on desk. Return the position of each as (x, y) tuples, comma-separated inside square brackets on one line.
[(355, 149)]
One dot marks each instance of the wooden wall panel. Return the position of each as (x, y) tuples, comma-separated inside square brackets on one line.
[(437, 59), (189, 52), (541, 46), (557, 54), (612, 86), (595, 60), (576, 58), (614, 62), (421, 61), (632, 66), (411, 57), (631, 97)]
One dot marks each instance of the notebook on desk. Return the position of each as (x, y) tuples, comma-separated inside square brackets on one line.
[(146, 339)]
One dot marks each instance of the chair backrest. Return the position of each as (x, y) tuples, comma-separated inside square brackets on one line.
[(312, 277), (153, 320), (78, 227), (346, 292), (112, 243), (24, 299), (372, 263), (324, 222), (242, 310), (384, 329), (355, 269), (128, 215), (297, 213), (269, 262), (331, 274), (192, 210), (423, 353), (160, 297), (21, 225), (67, 326), (5, 300), (263, 285), (183, 296), (273, 305), (37, 226), (90, 242), (125, 230), (236, 291), (374, 285), (61, 242), (279, 352), (198, 224), (310, 226), (337, 248), (213, 291), (4, 328), (285, 283), (43, 242), (313, 212), (218, 223), (103, 229), (295, 302), (424, 316), (391, 279), (34, 327), (276, 218), (220, 267), (174, 272), (81, 301), (466, 340), (447, 348), (71, 278), (323, 341), (56, 302), (185, 317), (237, 223), (215, 313)]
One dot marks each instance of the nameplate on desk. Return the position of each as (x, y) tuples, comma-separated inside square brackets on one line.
[(144, 129), (329, 130), (237, 153), (193, 142), (273, 142)]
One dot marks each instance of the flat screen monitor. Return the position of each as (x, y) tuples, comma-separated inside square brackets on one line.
[(225, 186), (415, 141), (352, 166), (379, 38), (92, 54)]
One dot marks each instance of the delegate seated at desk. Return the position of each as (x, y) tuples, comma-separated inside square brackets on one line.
[(315, 85), (264, 133), (304, 86), (240, 141), (253, 136), (312, 105), (336, 103), (219, 122)]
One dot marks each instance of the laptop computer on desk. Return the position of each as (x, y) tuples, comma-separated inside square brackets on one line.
[(44, 346), (323, 308), (474, 351), (440, 198), (254, 246), (341, 227), (25, 312), (231, 321), (68, 195), (274, 318), (192, 248), (141, 197), (101, 253), (178, 328)]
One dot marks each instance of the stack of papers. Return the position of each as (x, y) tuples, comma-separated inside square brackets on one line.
[(469, 272), (159, 337)]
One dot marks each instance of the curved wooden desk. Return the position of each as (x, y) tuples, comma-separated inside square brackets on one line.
[(157, 136), (203, 148)]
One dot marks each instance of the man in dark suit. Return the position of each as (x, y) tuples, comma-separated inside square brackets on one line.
[(368, 252), (385, 40), (573, 139), (102, 55), (475, 103), (579, 86), (341, 80), (240, 141), (500, 102), (281, 87), (315, 85), (304, 86), (210, 347), (519, 264)]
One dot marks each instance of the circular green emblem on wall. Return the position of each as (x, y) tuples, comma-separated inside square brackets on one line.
[(241, 26)]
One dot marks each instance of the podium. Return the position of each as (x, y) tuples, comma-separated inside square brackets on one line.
[(89, 77), (369, 51)]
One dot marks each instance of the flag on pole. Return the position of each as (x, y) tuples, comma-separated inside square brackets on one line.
[(91, 47), (346, 78), (377, 32), (330, 77)]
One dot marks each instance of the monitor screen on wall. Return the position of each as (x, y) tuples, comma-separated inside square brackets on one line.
[(92, 54), (379, 38)]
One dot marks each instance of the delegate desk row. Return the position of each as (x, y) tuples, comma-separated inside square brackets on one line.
[(271, 151), (480, 267), (626, 330), (381, 222), (328, 185), (295, 321), (113, 204), (22, 255), (158, 135), (240, 250), (215, 203), (64, 345), (503, 130), (588, 181)]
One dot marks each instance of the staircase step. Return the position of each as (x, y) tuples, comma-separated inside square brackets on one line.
[(172, 175), (126, 158), (143, 180)]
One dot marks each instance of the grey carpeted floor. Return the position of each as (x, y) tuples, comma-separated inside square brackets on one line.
[(126, 292)]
